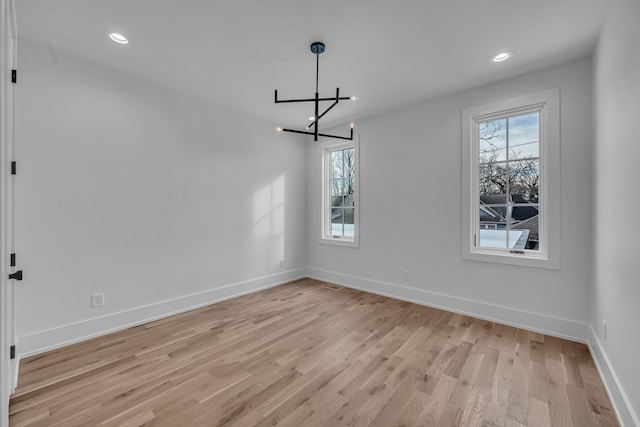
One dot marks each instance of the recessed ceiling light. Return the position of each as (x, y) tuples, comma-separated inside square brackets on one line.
[(502, 56), (118, 38)]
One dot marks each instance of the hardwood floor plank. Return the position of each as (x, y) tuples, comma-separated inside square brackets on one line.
[(475, 409), (310, 353), (580, 411), (558, 399), (538, 413), (410, 412)]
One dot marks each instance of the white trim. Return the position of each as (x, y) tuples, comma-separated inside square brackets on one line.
[(325, 204), (549, 255), (64, 335), (619, 399), (550, 325)]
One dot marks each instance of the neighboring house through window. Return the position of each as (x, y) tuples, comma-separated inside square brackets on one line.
[(340, 194), (511, 190)]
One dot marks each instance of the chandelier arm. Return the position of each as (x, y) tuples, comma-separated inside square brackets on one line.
[(301, 100), (317, 118), (322, 115), (296, 131), (342, 98), (332, 105), (278, 101), (349, 138)]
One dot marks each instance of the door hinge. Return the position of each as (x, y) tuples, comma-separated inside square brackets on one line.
[(14, 76), (12, 352), (12, 261), (14, 168), (16, 276)]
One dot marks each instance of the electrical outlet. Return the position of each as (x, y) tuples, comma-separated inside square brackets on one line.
[(406, 276), (282, 263), (604, 329), (97, 300)]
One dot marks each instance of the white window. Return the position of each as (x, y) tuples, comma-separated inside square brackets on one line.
[(340, 194), (511, 155)]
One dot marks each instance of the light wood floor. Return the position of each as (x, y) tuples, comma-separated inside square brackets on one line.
[(313, 354)]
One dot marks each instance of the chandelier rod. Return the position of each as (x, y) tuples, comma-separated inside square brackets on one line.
[(317, 104)]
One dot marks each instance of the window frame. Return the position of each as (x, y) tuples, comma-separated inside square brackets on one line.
[(548, 104), (326, 237)]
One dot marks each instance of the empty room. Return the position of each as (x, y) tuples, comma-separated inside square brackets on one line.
[(319, 213)]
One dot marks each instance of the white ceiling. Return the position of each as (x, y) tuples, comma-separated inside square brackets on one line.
[(388, 53)]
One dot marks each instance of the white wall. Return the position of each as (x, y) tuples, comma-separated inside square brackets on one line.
[(158, 200), (616, 284), (410, 181)]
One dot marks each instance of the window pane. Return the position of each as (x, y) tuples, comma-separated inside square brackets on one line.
[(503, 239), (524, 136), (524, 180), (349, 163), (493, 179), (493, 217), (493, 142), (349, 200), (527, 219), (349, 186), (337, 222), (349, 229), (337, 201), (337, 187), (524, 211), (336, 165), (490, 238)]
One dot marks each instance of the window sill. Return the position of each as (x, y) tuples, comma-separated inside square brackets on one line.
[(524, 260), (339, 242)]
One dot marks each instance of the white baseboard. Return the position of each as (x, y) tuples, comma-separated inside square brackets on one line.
[(14, 384), (60, 336), (619, 399), (549, 325)]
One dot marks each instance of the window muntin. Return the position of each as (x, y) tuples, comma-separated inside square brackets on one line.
[(340, 210)]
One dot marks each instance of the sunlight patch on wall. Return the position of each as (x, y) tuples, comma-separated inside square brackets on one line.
[(269, 218)]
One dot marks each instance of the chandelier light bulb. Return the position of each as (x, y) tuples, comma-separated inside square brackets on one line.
[(279, 129), (354, 98)]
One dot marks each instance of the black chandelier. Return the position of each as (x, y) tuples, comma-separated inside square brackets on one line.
[(317, 48)]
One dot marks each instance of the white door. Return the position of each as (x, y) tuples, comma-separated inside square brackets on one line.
[(8, 60)]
